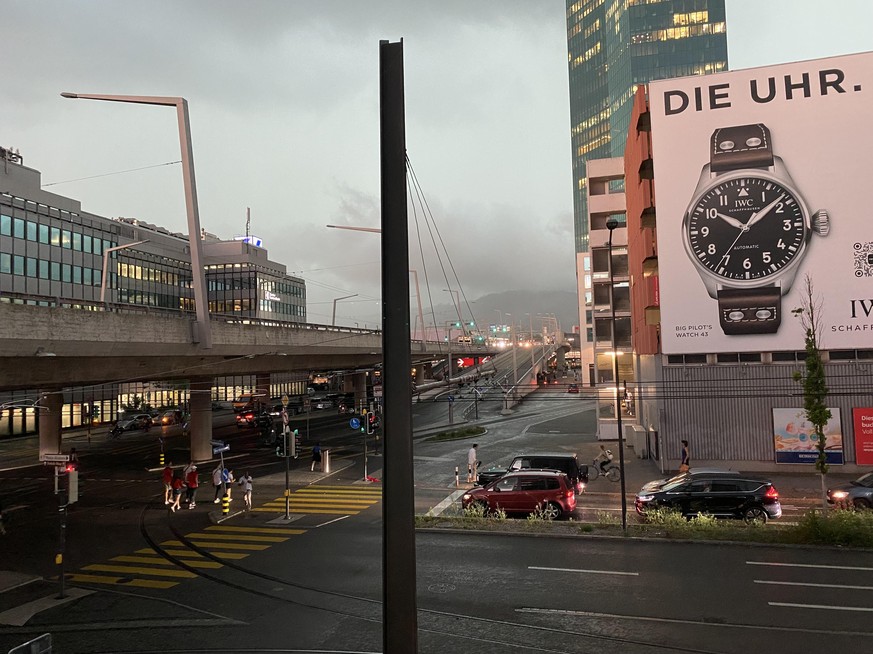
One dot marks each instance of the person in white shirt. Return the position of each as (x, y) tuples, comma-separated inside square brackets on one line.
[(246, 482), (473, 464)]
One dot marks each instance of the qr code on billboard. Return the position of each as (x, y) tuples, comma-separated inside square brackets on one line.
[(864, 259)]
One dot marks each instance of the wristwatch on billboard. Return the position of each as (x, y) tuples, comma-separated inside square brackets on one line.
[(747, 229)]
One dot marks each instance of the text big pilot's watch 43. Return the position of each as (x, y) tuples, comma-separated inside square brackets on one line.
[(747, 229)]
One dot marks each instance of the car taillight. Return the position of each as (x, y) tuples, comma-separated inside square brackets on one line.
[(570, 492), (772, 493)]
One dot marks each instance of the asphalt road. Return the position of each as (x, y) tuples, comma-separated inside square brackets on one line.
[(141, 579)]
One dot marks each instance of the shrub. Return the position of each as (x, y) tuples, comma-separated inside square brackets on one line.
[(852, 528)]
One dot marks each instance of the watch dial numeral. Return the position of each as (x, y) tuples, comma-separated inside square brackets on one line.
[(759, 220)]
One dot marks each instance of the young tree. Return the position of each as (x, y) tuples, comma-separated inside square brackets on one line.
[(815, 389)]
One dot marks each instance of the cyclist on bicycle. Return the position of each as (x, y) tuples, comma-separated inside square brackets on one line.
[(603, 459)]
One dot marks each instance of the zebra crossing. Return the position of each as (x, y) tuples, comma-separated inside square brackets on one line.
[(146, 568), (326, 500)]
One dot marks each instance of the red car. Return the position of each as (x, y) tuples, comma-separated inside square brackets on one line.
[(573, 388), (526, 491)]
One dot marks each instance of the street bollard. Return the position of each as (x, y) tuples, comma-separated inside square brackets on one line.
[(225, 504), (457, 478)]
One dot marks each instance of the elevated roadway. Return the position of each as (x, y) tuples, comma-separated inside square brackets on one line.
[(53, 347)]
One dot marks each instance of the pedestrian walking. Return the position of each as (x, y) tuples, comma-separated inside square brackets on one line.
[(191, 482), (167, 478), (473, 464), (177, 485), (685, 464), (228, 478), (245, 482), (316, 456), (218, 482)]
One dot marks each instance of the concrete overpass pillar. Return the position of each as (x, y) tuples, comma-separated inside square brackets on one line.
[(50, 423), (262, 388), (453, 365), (201, 420)]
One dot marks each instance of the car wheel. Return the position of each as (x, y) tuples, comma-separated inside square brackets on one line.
[(552, 511), (861, 504), (755, 514)]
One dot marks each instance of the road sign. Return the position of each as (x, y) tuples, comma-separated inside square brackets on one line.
[(354, 423), (451, 398), (285, 400), (219, 446), (54, 458)]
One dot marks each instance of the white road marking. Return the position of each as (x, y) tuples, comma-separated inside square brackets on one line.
[(446, 503), (792, 605), (595, 572), (804, 583), (700, 623), (810, 565)]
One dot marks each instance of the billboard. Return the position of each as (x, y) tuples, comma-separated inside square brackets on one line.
[(795, 441), (862, 418), (762, 179)]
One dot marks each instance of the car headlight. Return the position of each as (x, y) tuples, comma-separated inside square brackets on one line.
[(645, 498), (839, 495), (466, 496)]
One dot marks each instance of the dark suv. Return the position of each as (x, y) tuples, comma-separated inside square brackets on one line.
[(565, 462), (526, 491), (719, 495)]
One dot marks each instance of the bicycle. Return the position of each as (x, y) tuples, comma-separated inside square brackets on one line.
[(612, 472)]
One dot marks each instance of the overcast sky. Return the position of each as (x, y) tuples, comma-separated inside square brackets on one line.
[(283, 100)]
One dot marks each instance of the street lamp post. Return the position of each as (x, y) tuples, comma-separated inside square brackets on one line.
[(106, 265), (344, 297), (611, 224), (195, 243)]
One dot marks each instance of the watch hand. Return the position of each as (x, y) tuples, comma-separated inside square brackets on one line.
[(742, 231), (733, 222), (763, 212)]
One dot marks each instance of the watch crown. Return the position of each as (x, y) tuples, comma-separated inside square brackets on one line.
[(821, 222)]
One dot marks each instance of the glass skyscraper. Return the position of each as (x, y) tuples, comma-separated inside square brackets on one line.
[(614, 45)]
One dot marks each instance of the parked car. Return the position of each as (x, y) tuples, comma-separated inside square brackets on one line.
[(526, 491), (323, 403), (687, 475), (132, 423), (565, 462), (857, 494), (719, 495)]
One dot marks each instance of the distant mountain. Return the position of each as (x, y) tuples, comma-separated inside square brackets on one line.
[(487, 309)]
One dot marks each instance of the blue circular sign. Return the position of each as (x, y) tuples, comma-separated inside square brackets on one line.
[(355, 423)]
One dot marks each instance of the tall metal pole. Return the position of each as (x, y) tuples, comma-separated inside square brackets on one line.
[(106, 265), (611, 224), (399, 614)]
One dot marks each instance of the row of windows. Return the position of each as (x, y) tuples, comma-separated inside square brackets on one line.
[(63, 238), (247, 305), (146, 273), (674, 33), (53, 270)]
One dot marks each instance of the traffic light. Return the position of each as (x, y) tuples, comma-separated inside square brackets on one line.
[(371, 423), (294, 442), (458, 324), (365, 422)]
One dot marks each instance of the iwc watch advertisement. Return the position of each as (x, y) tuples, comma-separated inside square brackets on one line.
[(761, 183)]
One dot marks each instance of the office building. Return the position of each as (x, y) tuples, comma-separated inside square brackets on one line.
[(613, 46)]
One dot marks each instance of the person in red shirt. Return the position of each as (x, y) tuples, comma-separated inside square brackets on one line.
[(177, 484), (167, 478), (191, 482)]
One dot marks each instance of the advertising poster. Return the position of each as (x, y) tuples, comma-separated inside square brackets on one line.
[(762, 177), (862, 420), (795, 441)]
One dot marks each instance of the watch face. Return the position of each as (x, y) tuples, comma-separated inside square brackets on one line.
[(746, 228)]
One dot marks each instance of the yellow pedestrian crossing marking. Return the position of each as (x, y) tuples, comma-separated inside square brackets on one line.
[(145, 568), (118, 581), (158, 560), (97, 567), (211, 546), (257, 530)]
